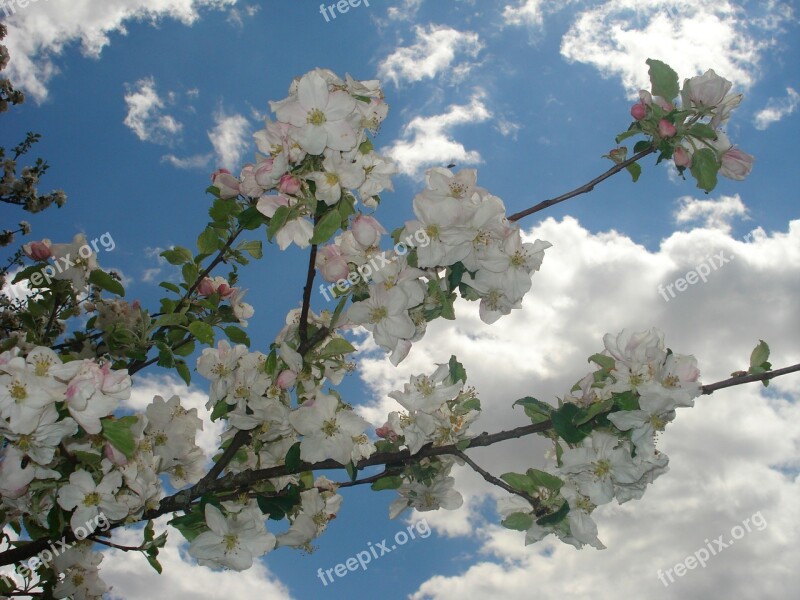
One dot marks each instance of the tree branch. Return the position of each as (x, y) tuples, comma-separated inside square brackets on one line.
[(584, 188), (182, 501)]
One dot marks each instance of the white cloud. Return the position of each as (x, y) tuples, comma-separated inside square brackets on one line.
[(725, 452), (230, 138), (41, 32), (197, 161), (433, 52), (716, 213), (427, 141), (237, 16), (406, 12), (532, 12), (618, 37), (145, 114), (777, 109)]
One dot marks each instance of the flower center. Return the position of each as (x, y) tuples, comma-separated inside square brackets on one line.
[(316, 117), (91, 499), (330, 428), (18, 391)]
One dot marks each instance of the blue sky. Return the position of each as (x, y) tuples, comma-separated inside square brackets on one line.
[(139, 101)]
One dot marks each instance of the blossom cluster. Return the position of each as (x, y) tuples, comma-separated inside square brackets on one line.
[(468, 237), (639, 384), (691, 131), (317, 150)]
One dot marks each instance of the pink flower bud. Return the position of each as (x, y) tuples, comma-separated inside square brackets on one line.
[(226, 183), (331, 264), (286, 379), (289, 184), (736, 164), (386, 433), (638, 111), (114, 455), (224, 290), (666, 129), (206, 287), (38, 250), (367, 230), (681, 157)]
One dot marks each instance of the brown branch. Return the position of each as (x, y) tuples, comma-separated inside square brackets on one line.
[(583, 189), (182, 501), (540, 511), (312, 272), (713, 387)]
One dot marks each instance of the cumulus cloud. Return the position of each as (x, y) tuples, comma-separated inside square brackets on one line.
[(618, 36), (716, 214), (433, 52), (41, 32), (777, 109), (230, 138), (146, 116), (732, 455), (428, 141)]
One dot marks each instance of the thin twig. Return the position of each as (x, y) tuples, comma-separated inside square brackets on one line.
[(584, 188), (713, 387)]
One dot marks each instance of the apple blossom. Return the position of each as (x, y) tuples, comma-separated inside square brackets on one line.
[(233, 542), (89, 499), (38, 250), (226, 183)]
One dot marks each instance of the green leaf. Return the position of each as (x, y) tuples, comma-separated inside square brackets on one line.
[(183, 371), (336, 347), (327, 226), (517, 521), (170, 286), (251, 218), (292, 460), (537, 410), (641, 146), (605, 362), (118, 433), (352, 472), (457, 372), (214, 190), (543, 479), (518, 481), (663, 79), (555, 517), (190, 273), (208, 242), (151, 558), (590, 412), (203, 332), (463, 445), (391, 482), (626, 400), (221, 408), (254, 248), (221, 210), (177, 255), (170, 320), (277, 222), (704, 169), (237, 336), (190, 525), (104, 281), (635, 169), (703, 131), (565, 427), (760, 354), (184, 349)]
